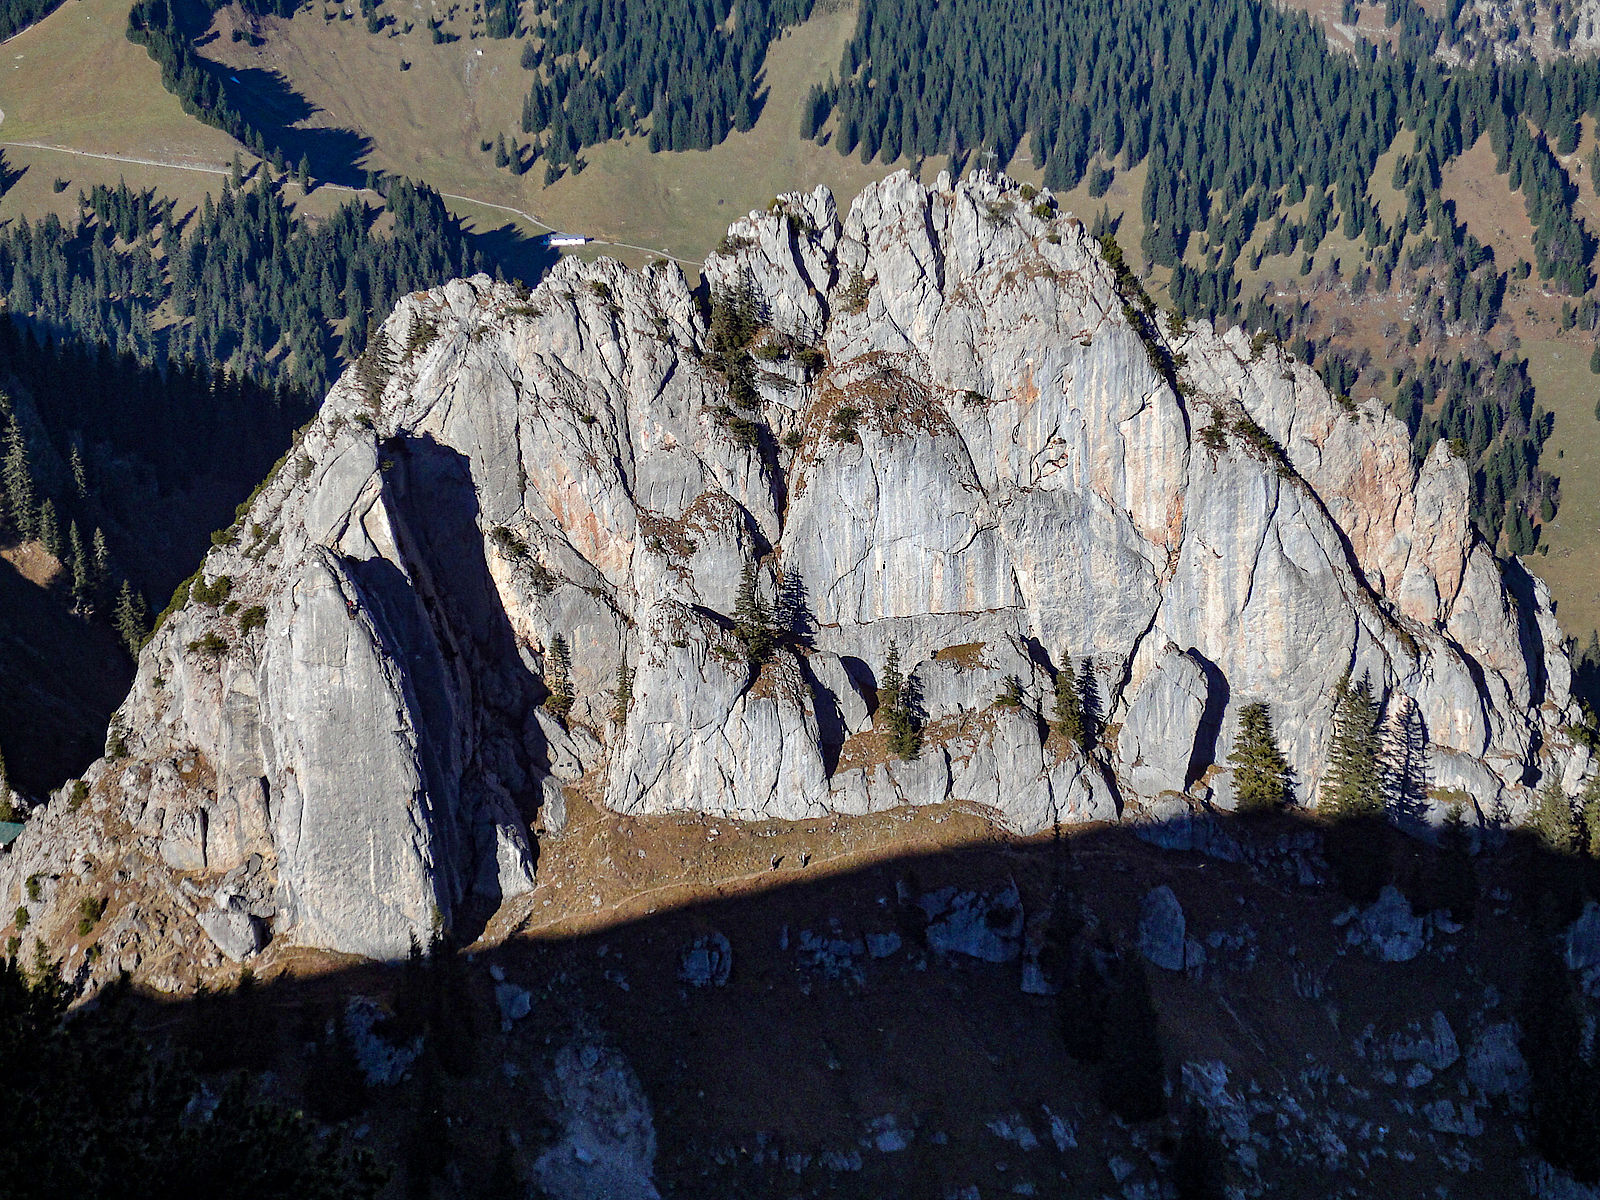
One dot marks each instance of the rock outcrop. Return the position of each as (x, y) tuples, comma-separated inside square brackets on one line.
[(951, 433)]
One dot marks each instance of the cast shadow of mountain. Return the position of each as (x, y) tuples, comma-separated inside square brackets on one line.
[(829, 1026), (269, 104)]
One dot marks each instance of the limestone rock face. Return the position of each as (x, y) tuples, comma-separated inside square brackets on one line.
[(954, 437)]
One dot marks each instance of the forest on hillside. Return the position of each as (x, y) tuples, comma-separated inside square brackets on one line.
[(1258, 143), (240, 283)]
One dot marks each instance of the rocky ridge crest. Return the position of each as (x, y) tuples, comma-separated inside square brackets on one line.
[(959, 435)]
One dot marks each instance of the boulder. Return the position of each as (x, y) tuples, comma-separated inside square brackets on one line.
[(1157, 741), (237, 932), (1162, 929)]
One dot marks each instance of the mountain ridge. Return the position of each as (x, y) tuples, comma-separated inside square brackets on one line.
[(942, 421)]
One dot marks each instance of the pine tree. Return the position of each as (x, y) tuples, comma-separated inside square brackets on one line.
[(8, 807), (1067, 719), (1089, 705), (752, 618), (16, 473), (1198, 1167), (558, 678), (130, 618), (903, 733), (1552, 820), (1454, 882), (1352, 785), (1563, 1084), (50, 529), (1405, 761), (1589, 816), (622, 695), (80, 482), (99, 565), (1262, 780), (77, 566)]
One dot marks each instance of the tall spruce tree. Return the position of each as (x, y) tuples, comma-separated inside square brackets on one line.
[(1553, 821), (558, 678), (16, 473), (1089, 705), (50, 529), (130, 618), (752, 617), (897, 703), (1262, 780), (1352, 784), (1067, 720), (77, 566), (1405, 761), (8, 806)]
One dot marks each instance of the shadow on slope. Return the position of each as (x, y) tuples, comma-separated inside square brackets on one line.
[(60, 679), (164, 459), (269, 105), (858, 1046)]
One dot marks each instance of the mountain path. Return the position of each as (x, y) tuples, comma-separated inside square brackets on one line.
[(209, 169)]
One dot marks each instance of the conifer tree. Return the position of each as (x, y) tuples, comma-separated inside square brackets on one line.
[(1552, 820), (558, 678), (130, 618), (50, 529), (752, 618), (1405, 760), (8, 807), (1563, 1085), (1589, 816), (1455, 879), (1198, 1167), (99, 564), (903, 733), (1352, 785), (622, 695), (1089, 705), (77, 566), (1067, 719), (80, 477), (16, 473), (1132, 1072), (1262, 779)]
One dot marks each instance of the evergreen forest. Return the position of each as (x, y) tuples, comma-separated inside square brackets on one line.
[(240, 283), (1256, 140), (17, 15)]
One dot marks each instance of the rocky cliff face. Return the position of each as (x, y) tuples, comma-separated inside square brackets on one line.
[(963, 441)]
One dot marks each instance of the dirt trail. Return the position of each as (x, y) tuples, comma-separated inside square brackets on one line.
[(213, 169)]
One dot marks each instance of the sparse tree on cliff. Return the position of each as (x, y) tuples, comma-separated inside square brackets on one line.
[(897, 703), (1067, 719), (1133, 1070), (1553, 821), (558, 678), (1089, 705), (752, 617), (1261, 775), (1352, 786)]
